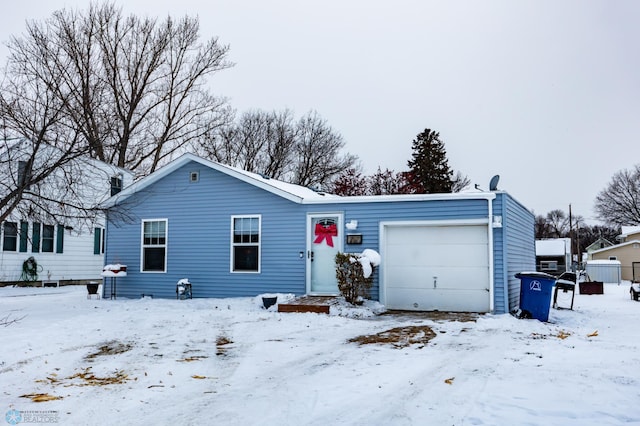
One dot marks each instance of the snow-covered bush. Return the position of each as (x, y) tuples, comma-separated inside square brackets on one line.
[(355, 274)]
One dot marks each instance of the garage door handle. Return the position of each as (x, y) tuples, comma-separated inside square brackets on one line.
[(435, 282)]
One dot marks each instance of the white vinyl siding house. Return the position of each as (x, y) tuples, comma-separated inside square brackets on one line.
[(62, 249)]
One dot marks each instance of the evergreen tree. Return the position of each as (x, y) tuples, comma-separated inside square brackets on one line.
[(429, 167)]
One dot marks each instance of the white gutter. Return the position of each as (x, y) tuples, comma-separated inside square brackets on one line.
[(401, 197)]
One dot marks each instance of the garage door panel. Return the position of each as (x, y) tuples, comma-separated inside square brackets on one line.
[(455, 257), (449, 255), (411, 299), (445, 278)]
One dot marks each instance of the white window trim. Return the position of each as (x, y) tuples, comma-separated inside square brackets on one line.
[(232, 244), (166, 245)]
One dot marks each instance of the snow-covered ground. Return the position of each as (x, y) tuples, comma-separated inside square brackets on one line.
[(231, 362)]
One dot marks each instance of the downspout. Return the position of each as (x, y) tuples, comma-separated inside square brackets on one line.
[(491, 254)]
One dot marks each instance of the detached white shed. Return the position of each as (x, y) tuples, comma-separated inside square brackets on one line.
[(606, 271)]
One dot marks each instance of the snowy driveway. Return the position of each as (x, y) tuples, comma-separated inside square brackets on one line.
[(228, 361)]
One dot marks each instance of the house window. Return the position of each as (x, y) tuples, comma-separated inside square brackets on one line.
[(613, 257), (35, 238), (10, 237), (98, 240), (47, 238), (194, 177), (154, 245), (60, 239), (24, 174), (116, 184), (24, 236), (245, 244), (549, 265)]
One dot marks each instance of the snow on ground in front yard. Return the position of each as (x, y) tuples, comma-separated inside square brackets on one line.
[(231, 362)]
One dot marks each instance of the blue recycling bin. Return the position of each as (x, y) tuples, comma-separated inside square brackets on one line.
[(535, 294)]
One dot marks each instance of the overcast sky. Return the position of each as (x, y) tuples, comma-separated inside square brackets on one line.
[(545, 94)]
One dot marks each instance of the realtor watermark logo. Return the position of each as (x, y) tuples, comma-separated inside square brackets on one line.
[(14, 417)]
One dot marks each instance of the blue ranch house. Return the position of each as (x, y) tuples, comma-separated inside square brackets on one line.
[(233, 233)]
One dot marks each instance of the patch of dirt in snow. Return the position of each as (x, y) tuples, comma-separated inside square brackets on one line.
[(434, 315), (110, 348), (221, 345), (399, 337)]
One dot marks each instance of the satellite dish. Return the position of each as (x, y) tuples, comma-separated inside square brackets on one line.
[(493, 184)]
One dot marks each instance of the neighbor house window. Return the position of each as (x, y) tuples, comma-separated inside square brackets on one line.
[(549, 265), (245, 244), (35, 238), (116, 184), (47, 238), (154, 245), (24, 236), (24, 174), (98, 240), (613, 257), (10, 236)]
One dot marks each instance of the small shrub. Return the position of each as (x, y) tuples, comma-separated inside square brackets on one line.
[(351, 278)]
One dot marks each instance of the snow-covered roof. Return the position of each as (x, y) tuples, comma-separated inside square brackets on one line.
[(617, 246), (628, 230), (603, 262), (292, 192), (553, 247), (286, 190)]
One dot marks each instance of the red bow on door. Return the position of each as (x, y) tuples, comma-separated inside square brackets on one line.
[(325, 233)]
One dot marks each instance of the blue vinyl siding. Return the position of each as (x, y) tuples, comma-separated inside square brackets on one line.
[(199, 235), (370, 214), (518, 245)]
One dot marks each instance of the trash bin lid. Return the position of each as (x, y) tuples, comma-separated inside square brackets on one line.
[(535, 274)]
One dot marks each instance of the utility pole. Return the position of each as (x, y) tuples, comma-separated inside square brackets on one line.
[(571, 235)]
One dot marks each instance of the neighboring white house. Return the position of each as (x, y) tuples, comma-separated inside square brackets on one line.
[(553, 256), (60, 249)]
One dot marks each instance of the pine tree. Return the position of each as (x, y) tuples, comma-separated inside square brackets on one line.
[(429, 167)]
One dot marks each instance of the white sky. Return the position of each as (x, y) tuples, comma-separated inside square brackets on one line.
[(544, 93)]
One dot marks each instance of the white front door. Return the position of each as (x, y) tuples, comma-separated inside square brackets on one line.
[(324, 240)]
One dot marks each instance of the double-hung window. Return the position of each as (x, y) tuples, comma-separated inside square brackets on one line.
[(245, 243), (154, 245), (10, 236), (47, 238)]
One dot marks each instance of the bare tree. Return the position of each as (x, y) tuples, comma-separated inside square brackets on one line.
[(459, 182), (541, 227), (124, 90), (619, 202), (48, 145), (317, 152), (133, 88), (306, 152), (385, 183), (350, 182), (558, 223)]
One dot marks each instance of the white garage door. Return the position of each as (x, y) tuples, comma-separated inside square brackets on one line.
[(443, 268)]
